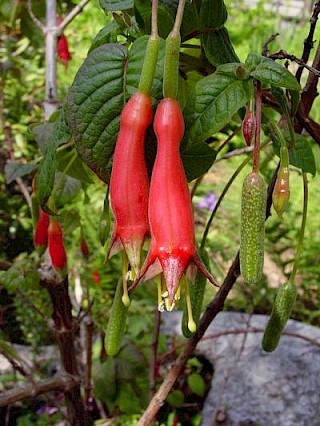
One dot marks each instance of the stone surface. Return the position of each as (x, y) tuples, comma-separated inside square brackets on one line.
[(251, 387)]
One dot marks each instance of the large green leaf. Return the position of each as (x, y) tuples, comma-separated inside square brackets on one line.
[(45, 179), (16, 170), (113, 5), (268, 71), (197, 159), (212, 15), (218, 47), (107, 78), (212, 104)]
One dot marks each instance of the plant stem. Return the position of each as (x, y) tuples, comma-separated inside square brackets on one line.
[(257, 134), (151, 55), (63, 175), (171, 61), (51, 101), (302, 229)]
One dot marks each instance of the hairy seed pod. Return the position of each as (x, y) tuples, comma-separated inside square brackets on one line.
[(253, 211), (116, 324), (280, 314)]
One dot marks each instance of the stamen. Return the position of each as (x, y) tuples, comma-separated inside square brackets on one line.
[(191, 324), (125, 297)]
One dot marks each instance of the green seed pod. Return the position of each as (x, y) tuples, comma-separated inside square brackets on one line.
[(253, 212), (280, 314), (117, 321), (196, 291)]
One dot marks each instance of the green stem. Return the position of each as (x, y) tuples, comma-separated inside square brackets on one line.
[(151, 56), (302, 229), (257, 134), (275, 128), (63, 175), (171, 61), (223, 193)]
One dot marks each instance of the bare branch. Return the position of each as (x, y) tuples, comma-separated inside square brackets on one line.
[(34, 18), (308, 43), (74, 12), (59, 382)]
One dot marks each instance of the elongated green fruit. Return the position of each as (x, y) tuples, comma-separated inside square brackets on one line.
[(116, 324), (280, 314), (253, 212), (196, 291)]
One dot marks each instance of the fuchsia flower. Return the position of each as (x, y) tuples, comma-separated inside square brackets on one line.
[(173, 247), (129, 184)]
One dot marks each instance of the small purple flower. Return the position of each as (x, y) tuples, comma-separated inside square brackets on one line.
[(208, 202)]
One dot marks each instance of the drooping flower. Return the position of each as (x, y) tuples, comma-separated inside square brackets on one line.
[(173, 249)]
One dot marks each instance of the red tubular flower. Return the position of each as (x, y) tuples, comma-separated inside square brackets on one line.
[(173, 246), (129, 184), (41, 232), (56, 247), (63, 50)]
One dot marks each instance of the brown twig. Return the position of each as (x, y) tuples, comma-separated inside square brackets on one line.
[(65, 335), (308, 42), (59, 382)]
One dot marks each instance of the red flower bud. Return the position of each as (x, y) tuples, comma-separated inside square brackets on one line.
[(248, 126), (84, 248), (41, 232), (281, 192), (56, 247), (96, 277), (173, 246), (129, 184)]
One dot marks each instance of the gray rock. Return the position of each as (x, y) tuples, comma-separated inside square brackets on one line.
[(251, 387)]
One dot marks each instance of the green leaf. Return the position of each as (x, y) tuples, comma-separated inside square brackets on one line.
[(114, 5), (67, 189), (175, 398), (107, 78), (218, 47), (21, 275), (212, 15), (302, 156), (128, 401), (268, 71), (45, 179), (108, 34), (70, 220), (212, 104), (105, 381), (197, 159), (16, 170), (77, 170), (196, 384)]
